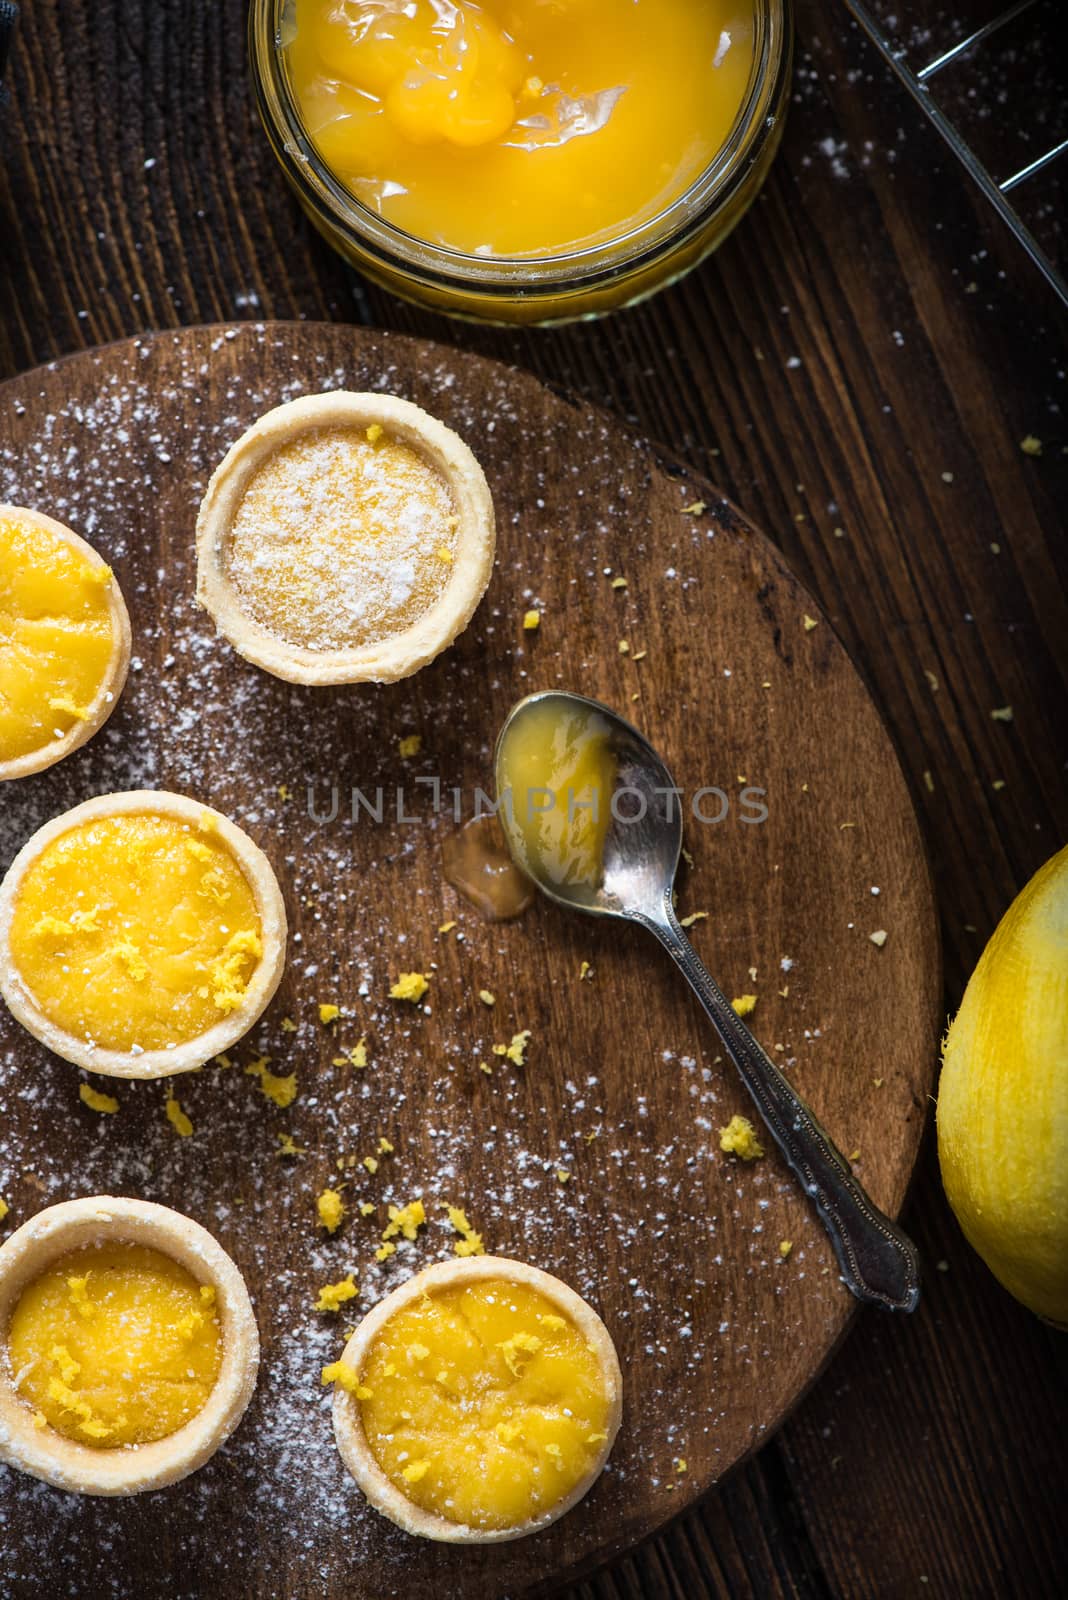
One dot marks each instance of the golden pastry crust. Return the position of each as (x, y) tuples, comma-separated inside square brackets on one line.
[(402, 653), (352, 1443), (114, 680), (194, 1052), (82, 1469)]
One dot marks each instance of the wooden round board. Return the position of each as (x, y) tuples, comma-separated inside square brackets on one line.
[(599, 1158)]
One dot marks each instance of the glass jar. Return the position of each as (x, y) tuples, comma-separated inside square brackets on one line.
[(582, 283)]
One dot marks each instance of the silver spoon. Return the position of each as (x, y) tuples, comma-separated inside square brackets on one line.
[(640, 859)]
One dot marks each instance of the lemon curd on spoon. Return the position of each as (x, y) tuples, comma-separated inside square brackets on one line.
[(519, 128), (556, 772)]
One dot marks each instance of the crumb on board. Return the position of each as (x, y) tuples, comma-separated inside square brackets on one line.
[(328, 1013), (411, 986), (410, 746), (470, 1241), (516, 1050), (879, 937), (332, 1296), (281, 1091), (739, 1138), (531, 620), (346, 1378), (331, 1210), (177, 1118), (744, 1005), (405, 1220), (106, 1104)]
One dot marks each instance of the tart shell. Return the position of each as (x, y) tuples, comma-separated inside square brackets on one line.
[(194, 1052), (402, 653), (352, 1442), (114, 680), (78, 1468)]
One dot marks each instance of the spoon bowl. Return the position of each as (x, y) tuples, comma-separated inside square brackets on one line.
[(639, 858), (643, 841)]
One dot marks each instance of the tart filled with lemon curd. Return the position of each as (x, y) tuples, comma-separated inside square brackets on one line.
[(478, 1402), (140, 934), (345, 538), (64, 642), (130, 1347)]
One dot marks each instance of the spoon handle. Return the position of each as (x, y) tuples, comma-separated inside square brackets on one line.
[(879, 1263)]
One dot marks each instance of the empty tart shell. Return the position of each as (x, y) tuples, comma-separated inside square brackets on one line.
[(385, 655)]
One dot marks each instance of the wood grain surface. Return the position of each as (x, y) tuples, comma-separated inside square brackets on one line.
[(599, 1158), (864, 354)]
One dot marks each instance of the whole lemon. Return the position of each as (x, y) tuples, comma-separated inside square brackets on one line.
[(1003, 1098)]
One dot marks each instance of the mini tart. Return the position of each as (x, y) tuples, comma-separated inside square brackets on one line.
[(352, 1442), (345, 538), (60, 601), (84, 1469), (256, 977)]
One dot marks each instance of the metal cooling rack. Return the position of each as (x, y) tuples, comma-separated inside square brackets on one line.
[(8, 12), (922, 84)]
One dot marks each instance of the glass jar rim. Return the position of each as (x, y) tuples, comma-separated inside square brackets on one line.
[(581, 268)]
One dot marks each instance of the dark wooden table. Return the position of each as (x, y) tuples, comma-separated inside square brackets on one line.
[(857, 368)]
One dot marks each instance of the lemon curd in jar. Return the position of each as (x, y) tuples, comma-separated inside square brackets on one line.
[(115, 1344), (519, 128)]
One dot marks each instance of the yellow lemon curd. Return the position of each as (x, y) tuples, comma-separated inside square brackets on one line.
[(483, 1404), (136, 931), (559, 771), (115, 1344), (520, 127), (56, 635), (342, 538)]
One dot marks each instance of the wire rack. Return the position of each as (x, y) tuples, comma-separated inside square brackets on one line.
[(923, 83), (8, 12)]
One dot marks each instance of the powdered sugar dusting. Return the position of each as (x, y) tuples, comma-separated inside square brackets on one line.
[(604, 1169), (340, 541)]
